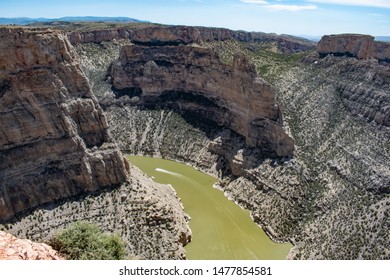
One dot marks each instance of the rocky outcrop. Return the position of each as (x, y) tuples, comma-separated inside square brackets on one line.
[(54, 141), (98, 36), (193, 81), (12, 248), (175, 35), (359, 46), (354, 45)]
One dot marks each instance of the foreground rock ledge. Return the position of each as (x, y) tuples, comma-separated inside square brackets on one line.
[(12, 248)]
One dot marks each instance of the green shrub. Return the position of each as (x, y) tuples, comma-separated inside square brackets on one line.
[(85, 241)]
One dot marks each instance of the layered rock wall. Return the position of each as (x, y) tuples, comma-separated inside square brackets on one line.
[(194, 81), (354, 45), (175, 35), (54, 141)]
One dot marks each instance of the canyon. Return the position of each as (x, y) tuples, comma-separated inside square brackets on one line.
[(306, 151), (56, 147)]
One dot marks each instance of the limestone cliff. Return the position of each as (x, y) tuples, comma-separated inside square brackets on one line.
[(193, 81), (354, 45), (54, 141), (58, 163)]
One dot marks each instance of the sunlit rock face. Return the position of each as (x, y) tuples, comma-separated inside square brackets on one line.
[(54, 141), (354, 45)]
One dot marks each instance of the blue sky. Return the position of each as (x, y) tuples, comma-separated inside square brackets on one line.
[(296, 17)]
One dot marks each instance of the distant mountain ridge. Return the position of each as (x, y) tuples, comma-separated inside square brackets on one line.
[(382, 38), (26, 20)]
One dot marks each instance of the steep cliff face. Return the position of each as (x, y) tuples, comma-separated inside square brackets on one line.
[(354, 45), (54, 141), (193, 81), (332, 199), (56, 152)]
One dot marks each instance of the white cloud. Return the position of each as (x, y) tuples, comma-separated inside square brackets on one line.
[(255, 1), (364, 3), (280, 7), (292, 8)]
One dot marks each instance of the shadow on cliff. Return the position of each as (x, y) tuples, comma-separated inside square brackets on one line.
[(233, 155), (205, 115)]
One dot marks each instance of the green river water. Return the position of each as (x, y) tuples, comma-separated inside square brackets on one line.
[(220, 228)]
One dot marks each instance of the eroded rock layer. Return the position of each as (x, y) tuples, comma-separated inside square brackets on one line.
[(54, 141), (354, 45), (193, 81)]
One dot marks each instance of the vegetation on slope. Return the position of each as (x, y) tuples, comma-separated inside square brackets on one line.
[(85, 241), (270, 62)]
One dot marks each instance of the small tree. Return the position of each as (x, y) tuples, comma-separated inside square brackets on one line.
[(85, 241)]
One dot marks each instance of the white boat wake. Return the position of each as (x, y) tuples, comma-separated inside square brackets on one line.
[(189, 180), (171, 173), (177, 175)]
